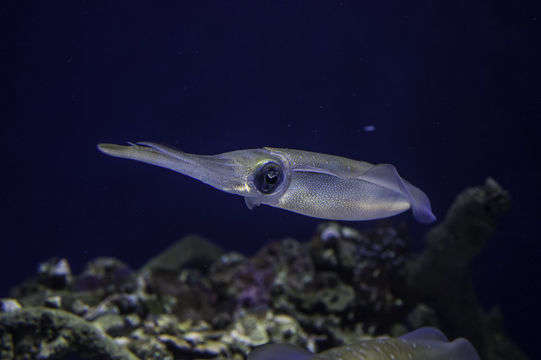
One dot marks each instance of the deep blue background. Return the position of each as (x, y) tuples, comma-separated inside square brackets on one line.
[(452, 89)]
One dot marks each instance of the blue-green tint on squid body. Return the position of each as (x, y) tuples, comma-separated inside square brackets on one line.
[(308, 183), (422, 344)]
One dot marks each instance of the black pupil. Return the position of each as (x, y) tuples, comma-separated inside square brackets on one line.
[(268, 178), (272, 177)]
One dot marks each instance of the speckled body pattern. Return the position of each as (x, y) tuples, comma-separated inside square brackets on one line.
[(422, 344), (314, 184), (378, 349)]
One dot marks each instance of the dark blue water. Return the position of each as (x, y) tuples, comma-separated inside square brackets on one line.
[(450, 90)]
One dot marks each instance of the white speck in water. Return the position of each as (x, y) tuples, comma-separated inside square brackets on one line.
[(369, 128)]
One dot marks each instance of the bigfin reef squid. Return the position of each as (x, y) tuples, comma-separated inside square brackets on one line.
[(309, 183), (426, 343)]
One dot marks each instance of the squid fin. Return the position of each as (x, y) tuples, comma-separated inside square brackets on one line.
[(386, 175)]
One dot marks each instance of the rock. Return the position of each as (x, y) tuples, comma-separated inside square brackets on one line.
[(250, 330), (423, 315), (212, 348), (190, 251), (9, 305), (79, 307), (105, 273), (55, 273), (112, 324), (194, 337), (54, 302), (175, 343)]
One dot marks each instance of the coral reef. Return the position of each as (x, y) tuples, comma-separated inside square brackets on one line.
[(450, 248), (195, 301), (46, 333)]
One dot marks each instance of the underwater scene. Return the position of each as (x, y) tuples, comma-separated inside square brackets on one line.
[(272, 180)]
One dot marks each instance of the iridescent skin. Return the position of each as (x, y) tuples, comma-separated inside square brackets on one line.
[(314, 184), (422, 344)]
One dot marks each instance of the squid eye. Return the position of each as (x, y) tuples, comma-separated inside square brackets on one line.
[(268, 178)]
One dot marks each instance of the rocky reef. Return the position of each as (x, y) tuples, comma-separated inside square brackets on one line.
[(195, 301)]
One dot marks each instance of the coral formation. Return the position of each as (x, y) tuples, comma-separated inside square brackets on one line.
[(450, 248), (196, 301), (44, 333)]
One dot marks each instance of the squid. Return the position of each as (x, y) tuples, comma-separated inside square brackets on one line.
[(426, 343), (309, 183)]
